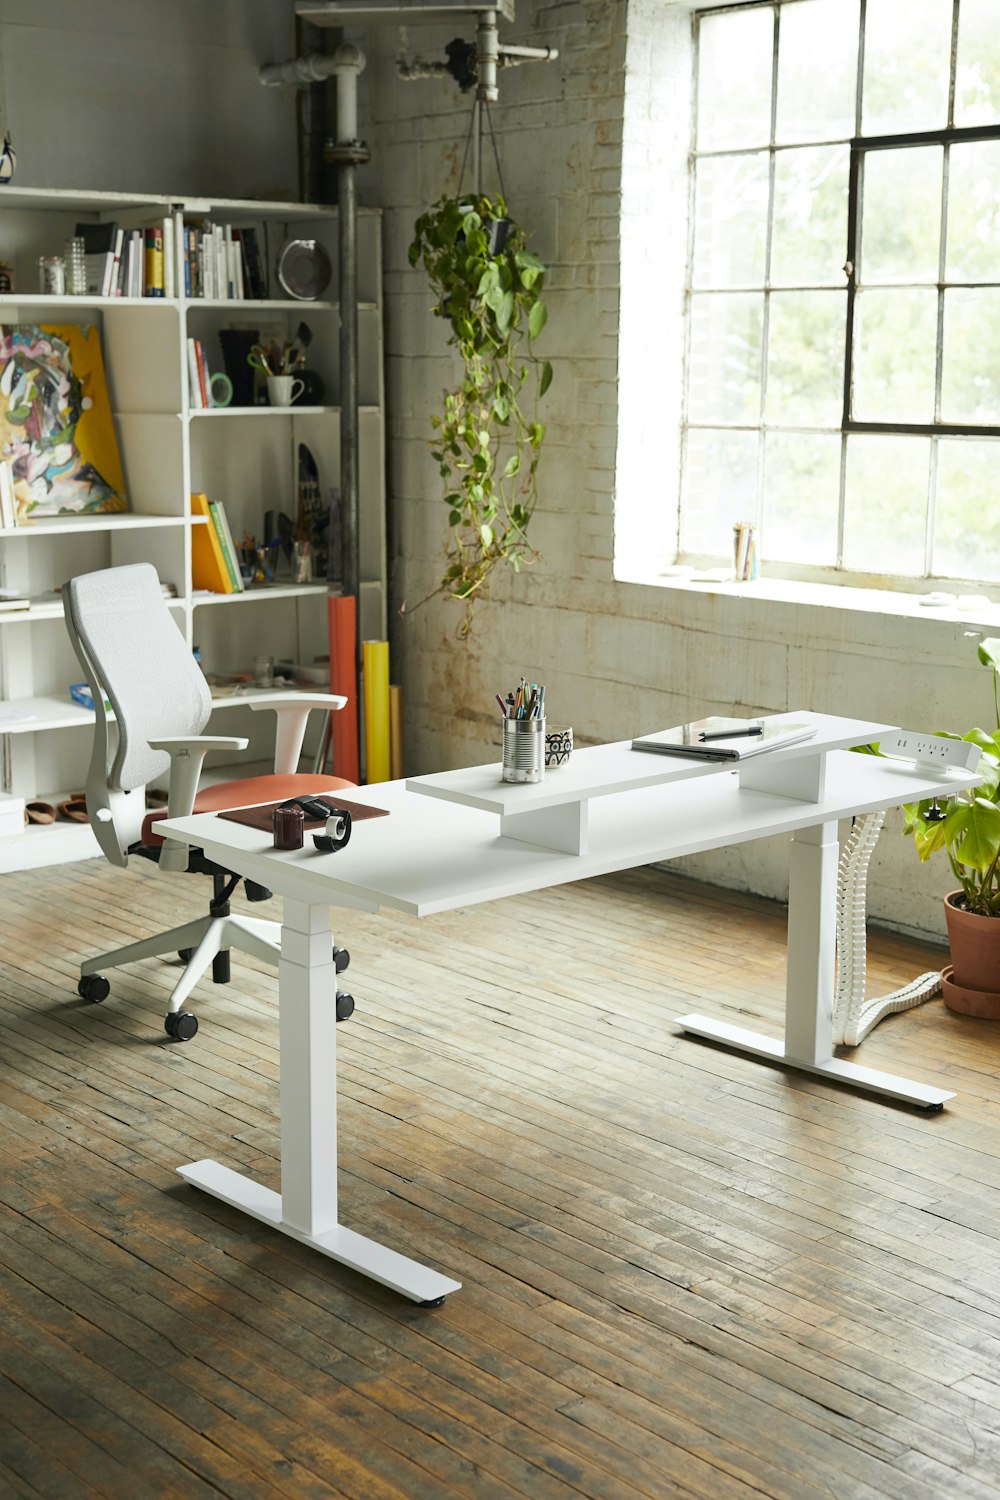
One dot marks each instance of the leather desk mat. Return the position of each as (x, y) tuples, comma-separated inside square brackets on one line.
[(262, 817)]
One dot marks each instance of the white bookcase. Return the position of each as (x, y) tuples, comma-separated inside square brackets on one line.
[(245, 456)]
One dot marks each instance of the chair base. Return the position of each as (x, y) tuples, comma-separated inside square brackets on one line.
[(207, 937)]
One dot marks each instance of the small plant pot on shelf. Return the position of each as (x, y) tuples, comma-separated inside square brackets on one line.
[(971, 983)]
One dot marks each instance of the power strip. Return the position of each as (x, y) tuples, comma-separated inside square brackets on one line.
[(930, 750)]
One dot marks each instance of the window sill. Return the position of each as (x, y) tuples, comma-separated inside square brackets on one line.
[(973, 610)]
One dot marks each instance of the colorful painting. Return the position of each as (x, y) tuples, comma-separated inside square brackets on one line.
[(56, 427)]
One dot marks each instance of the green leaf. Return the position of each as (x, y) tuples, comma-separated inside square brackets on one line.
[(455, 518), (981, 844), (511, 466), (536, 434), (989, 652), (486, 534), (537, 319), (505, 312), (545, 377)]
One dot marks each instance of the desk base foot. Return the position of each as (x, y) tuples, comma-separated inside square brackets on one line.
[(369, 1258), (869, 1080)]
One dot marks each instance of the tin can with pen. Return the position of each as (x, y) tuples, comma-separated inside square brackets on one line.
[(523, 749)]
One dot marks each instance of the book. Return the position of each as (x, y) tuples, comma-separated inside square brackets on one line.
[(230, 555), (208, 565), (194, 380), (743, 740), (169, 259), (203, 376), (152, 285), (98, 254)]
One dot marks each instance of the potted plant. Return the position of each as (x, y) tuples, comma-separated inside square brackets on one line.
[(968, 830), (487, 446)]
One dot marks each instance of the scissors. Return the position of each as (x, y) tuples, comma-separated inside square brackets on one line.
[(261, 359)]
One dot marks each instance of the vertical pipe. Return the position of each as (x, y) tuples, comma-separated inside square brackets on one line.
[(347, 230), (347, 201)]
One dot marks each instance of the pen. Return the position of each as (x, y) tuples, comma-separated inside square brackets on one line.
[(503, 706), (730, 734)]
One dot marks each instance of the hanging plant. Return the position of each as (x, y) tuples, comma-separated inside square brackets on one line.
[(489, 288)]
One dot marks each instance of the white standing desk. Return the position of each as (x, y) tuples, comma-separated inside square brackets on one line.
[(450, 841)]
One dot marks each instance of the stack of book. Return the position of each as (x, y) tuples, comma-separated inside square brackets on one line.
[(129, 262), (222, 263), (199, 376), (215, 562)]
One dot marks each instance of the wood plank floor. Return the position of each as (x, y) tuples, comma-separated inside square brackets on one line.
[(685, 1273)]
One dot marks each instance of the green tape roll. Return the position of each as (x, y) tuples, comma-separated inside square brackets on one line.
[(220, 389)]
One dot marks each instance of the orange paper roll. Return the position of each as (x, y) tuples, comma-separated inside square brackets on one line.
[(343, 646), (376, 664), (395, 731)]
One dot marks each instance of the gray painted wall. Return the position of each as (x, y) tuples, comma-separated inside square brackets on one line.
[(148, 96)]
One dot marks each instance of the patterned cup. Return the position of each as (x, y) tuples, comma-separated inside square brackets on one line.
[(558, 746)]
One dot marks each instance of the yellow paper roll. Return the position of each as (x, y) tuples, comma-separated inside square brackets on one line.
[(395, 731), (376, 667)]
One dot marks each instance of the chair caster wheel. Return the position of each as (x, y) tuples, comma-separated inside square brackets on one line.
[(181, 1025), (345, 1005), (433, 1302), (94, 987), (185, 954), (341, 958)]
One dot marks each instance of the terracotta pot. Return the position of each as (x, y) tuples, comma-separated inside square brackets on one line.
[(974, 979), (966, 1001)]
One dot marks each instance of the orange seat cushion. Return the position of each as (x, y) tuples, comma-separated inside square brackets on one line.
[(247, 793)]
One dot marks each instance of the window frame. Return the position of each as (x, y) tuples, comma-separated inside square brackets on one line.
[(859, 147)]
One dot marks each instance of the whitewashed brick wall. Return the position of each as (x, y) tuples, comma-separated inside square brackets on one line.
[(617, 658)]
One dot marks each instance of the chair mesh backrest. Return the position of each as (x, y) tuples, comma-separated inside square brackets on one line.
[(141, 660)]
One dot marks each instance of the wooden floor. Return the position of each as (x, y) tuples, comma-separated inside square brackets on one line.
[(685, 1273)]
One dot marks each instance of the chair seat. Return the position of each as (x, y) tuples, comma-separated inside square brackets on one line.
[(247, 793)]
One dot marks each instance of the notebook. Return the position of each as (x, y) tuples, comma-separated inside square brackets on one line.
[(263, 816), (686, 739)]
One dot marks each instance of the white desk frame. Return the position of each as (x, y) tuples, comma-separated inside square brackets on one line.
[(436, 852)]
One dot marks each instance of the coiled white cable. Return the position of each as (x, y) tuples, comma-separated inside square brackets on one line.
[(853, 1015)]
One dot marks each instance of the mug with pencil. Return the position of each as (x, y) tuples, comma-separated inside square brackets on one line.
[(523, 732)]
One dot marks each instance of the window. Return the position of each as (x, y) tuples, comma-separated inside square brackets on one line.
[(842, 384)]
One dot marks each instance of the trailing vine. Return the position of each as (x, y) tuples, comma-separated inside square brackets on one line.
[(487, 448)]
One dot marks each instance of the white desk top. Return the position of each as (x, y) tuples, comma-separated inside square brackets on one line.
[(601, 770), (431, 856)]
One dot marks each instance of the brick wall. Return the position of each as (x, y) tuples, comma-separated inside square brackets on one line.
[(618, 658)]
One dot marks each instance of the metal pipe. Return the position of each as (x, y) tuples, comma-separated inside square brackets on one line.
[(487, 52), (311, 69), (347, 244), (510, 56)]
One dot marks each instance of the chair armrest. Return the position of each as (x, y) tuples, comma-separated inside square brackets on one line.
[(176, 744), (293, 710), (187, 755)]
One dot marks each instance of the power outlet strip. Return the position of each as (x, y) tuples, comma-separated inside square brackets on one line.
[(930, 750)]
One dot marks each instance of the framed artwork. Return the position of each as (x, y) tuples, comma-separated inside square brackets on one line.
[(56, 428)]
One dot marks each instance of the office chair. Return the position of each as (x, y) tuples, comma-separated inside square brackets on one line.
[(134, 656)]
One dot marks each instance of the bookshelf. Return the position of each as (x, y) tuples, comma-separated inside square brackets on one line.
[(246, 456)]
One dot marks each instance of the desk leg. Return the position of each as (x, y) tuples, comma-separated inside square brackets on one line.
[(306, 1207), (808, 1041)]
